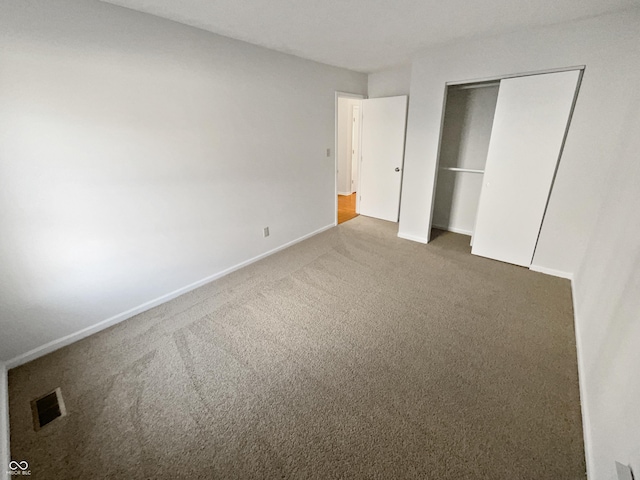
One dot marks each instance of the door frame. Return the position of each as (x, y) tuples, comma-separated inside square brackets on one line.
[(581, 68), (339, 94), (355, 160)]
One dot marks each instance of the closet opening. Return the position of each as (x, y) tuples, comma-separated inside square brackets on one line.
[(466, 132), (500, 148)]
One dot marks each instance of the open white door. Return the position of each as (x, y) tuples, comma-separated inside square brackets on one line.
[(529, 127), (383, 133)]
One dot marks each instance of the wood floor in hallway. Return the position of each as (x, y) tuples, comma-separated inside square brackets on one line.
[(346, 207)]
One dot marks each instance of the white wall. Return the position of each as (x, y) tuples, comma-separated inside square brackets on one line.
[(345, 139), (390, 83), (607, 300), (465, 143), (4, 424), (608, 46), (467, 127), (140, 155), (456, 203), (592, 219)]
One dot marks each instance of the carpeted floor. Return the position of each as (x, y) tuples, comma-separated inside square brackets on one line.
[(354, 354)]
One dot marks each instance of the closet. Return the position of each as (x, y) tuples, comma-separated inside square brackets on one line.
[(466, 133), (499, 152)]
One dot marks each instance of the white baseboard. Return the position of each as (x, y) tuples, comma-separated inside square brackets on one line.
[(551, 271), (85, 332), (413, 238), (586, 425), (4, 423), (454, 230)]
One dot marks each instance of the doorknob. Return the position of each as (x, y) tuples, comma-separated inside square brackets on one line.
[(397, 169)]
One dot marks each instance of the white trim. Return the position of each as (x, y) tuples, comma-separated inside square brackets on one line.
[(586, 424), (346, 194), (514, 75), (454, 230), (413, 238), (4, 423), (85, 332), (551, 271), (359, 159), (356, 182)]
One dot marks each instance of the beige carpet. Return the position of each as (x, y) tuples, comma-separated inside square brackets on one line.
[(351, 355)]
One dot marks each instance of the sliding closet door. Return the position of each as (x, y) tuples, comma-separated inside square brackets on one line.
[(529, 126)]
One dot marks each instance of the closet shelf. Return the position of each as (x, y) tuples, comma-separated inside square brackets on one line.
[(455, 169)]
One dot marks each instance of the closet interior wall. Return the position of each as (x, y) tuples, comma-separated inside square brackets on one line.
[(465, 140)]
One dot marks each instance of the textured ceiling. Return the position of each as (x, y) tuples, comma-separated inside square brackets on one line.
[(367, 35)]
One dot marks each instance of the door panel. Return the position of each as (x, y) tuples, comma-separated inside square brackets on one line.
[(529, 126), (383, 133)]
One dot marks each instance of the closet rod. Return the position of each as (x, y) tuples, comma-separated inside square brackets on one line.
[(456, 169), (467, 86)]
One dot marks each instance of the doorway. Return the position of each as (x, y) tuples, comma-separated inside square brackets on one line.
[(348, 134)]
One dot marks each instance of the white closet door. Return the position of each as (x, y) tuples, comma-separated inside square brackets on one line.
[(528, 131), (383, 131)]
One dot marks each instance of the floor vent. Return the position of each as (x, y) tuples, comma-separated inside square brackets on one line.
[(47, 408)]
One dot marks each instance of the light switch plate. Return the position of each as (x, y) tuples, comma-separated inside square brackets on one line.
[(624, 472)]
